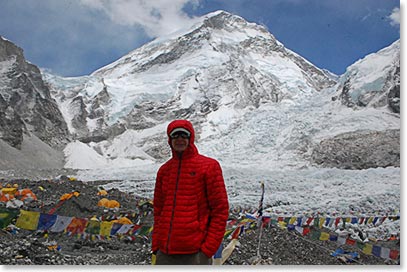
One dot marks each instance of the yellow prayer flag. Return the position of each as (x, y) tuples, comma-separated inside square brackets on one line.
[(105, 228), (368, 249), (282, 224), (292, 220), (324, 236), (348, 219), (28, 220), (321, 222), (370, 220)]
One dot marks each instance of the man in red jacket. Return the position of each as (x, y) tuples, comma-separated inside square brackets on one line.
[(190, 202)]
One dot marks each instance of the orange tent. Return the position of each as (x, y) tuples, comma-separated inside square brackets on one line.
[(5, 197), (123, 221), (69, 195), (112, 204), (103, 202), (27, 193), (102, 193)]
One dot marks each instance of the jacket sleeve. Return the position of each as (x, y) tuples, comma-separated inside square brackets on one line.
[(158, 204), (219, 210)]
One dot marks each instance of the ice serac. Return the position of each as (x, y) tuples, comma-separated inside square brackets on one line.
[(373, 81), (26, 106)]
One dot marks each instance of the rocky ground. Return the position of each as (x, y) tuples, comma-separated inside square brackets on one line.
[(23, 247)]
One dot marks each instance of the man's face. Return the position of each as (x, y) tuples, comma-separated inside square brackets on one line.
[(179, 142)]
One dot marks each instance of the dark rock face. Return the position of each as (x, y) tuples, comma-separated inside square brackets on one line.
[(393, 96), (25, 102), (359, 150)]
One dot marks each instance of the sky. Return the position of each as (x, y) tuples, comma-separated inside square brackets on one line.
[(77, 37)]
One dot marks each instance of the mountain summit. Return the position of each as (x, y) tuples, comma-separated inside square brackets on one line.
[(221, 62), (253, 102)]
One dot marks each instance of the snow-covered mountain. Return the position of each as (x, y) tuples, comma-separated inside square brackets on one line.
[(250, 99)]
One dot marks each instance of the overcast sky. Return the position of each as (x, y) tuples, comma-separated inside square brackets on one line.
[(76, 37)]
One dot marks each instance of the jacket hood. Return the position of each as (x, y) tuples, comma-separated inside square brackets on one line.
[(191, 149)]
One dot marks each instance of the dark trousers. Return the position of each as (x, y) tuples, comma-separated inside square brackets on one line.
[(182, 259)]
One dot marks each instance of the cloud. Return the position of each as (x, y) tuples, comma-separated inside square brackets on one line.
[(395, 17), (157, 18)]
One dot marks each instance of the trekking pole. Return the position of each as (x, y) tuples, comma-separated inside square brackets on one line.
[(260, 212)]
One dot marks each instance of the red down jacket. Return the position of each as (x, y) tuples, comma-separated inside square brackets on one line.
[(190, 202)]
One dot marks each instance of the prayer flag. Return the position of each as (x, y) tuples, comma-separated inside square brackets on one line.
[(46, 221), (115, 228), (333, 237), (394, 254), (350, 241), (124, 229), (77, 225), (368, 249), (28, 220), (376, 250), (306, 231), (61, 223), (321, 222), (324, 236), (341, 240), (93, 227), (106, 228), (385, 253), (6, 216), (315, 235), (337, 220)]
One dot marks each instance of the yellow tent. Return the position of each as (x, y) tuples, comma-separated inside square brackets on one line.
[(9, 190)]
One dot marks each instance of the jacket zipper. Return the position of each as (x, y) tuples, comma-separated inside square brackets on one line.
[(174, 201)]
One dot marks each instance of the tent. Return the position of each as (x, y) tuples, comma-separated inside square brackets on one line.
[(9, 190), (27, 194), (103, 202), (69, 195), (123, 221), (102, 193), (113, 204), (5, 197)]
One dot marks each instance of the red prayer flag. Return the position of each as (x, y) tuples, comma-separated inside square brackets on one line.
[(350, 241), (394, 254)]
